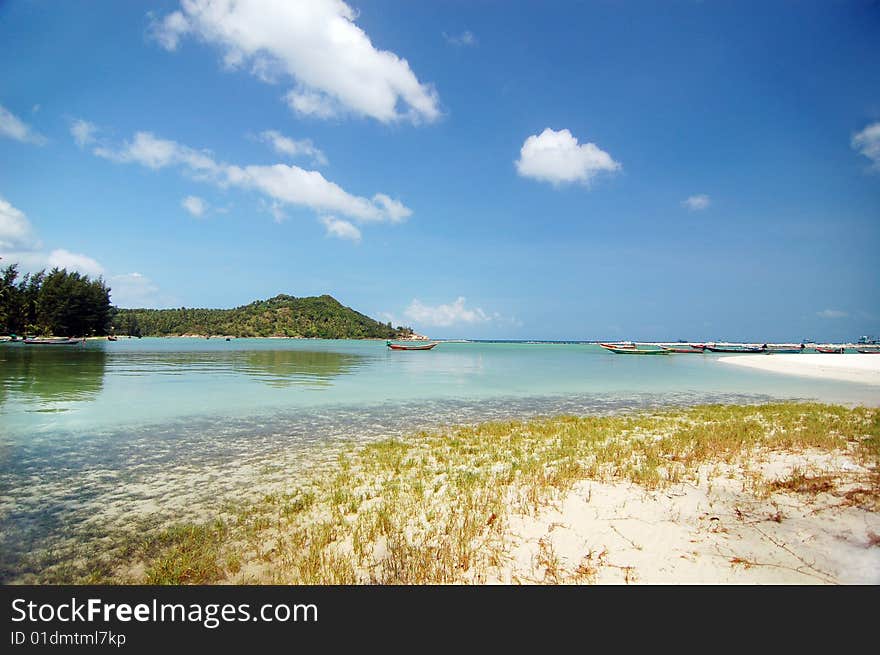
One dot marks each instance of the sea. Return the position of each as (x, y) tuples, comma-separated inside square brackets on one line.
[(93, 437)]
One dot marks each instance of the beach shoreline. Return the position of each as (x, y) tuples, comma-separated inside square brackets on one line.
[(784, 493), (860, 368)]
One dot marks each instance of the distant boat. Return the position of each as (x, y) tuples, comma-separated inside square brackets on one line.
[(402, 346), (830, 350), (633, 350), (771, 350), (735, 349), (55, 341)]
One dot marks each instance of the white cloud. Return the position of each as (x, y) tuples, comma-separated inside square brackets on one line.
[(135, 290), (286, 146), (169, 30), (395, 210), (316, 45), (282, 183), (19, 244), (16, 232), (297, 186), (697, 203), (341, 229), (445, 315), (556, 157), (12, 127), (148, 150), (194, 205), (72, 261), (831, 313), (275, 208), (466, 38), (83, 132), (311, 103), (867, 143)]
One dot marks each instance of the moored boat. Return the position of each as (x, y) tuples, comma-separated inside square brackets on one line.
[(783, 350), (634, 350), (868, 351), (830, 350), (408, 346), (735, 349), (54, 341)]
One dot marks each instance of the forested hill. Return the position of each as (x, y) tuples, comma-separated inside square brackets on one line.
[(283, 315)]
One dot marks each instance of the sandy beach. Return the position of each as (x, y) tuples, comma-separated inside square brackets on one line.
[(849, 367), (714, 531)]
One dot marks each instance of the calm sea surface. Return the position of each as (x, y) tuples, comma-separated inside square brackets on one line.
[(93, 436)]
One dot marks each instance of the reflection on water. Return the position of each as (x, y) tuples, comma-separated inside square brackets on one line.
[(49, 376), (278, 368), (284, 368)]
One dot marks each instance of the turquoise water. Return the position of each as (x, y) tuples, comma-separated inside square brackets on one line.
[(92, 435)]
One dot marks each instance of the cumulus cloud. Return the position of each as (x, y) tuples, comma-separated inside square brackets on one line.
[(697, 203), (286, 146), (194, 205), (83, 132), (73, 261), (280, 183), (466, 38), (394, 210), (16, 232), (331, 62), (445, 315), (148, 150), (12, 127), (558, 158), (831, 313), (19, 244), (136, 290), (867, 143), (341, 229)]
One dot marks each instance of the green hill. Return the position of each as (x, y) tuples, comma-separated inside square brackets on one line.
[(283, 315)]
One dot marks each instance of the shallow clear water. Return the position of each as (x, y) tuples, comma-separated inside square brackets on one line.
[(90, 436)]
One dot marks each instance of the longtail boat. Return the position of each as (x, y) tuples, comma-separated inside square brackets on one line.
[(60, 341), (633, 350), (735, 349), (866, 351), (627, 344), (402, 346), (830, 350), (784, 351)]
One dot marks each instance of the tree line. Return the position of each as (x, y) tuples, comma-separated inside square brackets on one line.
[(58, 302), (67, 303), (286, 316)]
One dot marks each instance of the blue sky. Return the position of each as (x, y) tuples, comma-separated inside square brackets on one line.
[(556, 170)]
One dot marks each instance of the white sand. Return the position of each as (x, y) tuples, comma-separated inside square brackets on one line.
[(849, 367), (713, 532)]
